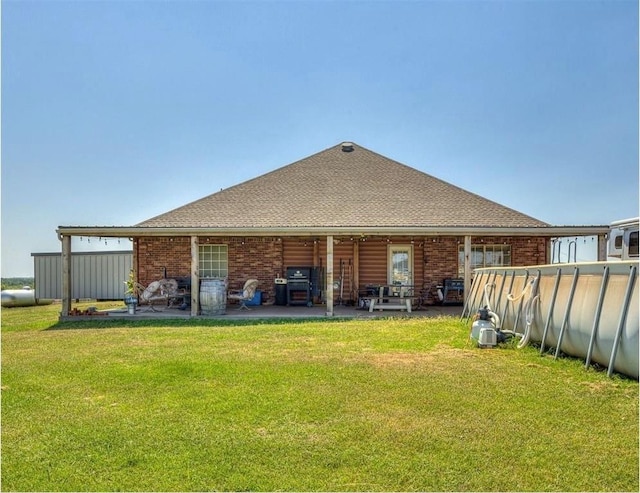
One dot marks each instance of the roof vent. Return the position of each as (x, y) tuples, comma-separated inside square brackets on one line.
[(347, 147)]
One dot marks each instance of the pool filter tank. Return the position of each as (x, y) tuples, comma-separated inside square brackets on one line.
[(483, 331)]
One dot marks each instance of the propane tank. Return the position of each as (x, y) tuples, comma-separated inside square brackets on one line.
[(21, 297)]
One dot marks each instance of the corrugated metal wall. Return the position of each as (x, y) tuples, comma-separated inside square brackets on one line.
[(94, 275), (47, 268)]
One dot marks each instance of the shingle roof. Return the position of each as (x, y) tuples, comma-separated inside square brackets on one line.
[(336, 189)]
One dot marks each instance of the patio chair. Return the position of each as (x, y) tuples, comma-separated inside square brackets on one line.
[(245, 294), (156, 295)]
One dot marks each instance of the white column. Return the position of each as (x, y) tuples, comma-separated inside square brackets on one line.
[(195, 277), (329, 276)]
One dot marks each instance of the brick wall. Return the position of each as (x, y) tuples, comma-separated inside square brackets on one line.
[(259, 258), (153, 255), (440, 259), (528, 251), (441, 254), (262, 258)]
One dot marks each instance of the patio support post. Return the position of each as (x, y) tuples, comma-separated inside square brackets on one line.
[(467, 265), (195, 277), (316, 263), (329, 279), (602, 248), (66, 275), (356, 270)]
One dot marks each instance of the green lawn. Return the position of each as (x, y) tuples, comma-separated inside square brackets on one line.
[(375, 405)]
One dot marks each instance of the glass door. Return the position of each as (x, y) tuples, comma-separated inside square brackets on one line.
[(400, 267)]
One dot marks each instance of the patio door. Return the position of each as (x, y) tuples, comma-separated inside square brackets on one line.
[(400, 264)]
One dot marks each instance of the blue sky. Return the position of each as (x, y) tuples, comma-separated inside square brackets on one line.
[(116, 111)]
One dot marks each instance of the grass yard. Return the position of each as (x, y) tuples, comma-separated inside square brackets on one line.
[(375, 405)]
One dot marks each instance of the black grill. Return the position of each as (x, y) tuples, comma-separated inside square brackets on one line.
[(299, 285)]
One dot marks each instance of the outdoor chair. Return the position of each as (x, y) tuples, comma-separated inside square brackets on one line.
[(245, 294), (156, 295)]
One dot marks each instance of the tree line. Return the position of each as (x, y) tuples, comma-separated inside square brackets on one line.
[(17, 282)]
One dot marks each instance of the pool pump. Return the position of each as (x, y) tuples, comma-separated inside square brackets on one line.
[(484, 330)]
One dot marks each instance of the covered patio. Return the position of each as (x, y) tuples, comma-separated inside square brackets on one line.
[(274, 312), (350, 217)]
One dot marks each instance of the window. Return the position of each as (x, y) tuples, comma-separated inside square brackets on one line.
[(213, 260), (633, 244), (617, 242), (485, 256)]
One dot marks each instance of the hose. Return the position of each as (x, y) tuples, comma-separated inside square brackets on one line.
[(495, 319), (529, 313), (487, 303), (510, 297), (529, 316)]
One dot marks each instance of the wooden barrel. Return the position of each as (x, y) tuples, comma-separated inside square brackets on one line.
[(213, 297)]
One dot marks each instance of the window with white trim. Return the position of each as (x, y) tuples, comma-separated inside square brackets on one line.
[(213, 260), (485, 256), (400, 266)]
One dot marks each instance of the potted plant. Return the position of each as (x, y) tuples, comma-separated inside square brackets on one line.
[(130, 295)]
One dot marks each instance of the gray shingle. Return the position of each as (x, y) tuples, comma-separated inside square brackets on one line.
[(343, 189)]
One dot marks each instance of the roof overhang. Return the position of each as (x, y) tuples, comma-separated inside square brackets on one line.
[(138, 232)]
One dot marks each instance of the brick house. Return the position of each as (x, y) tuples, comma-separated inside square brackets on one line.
[(358, 217)]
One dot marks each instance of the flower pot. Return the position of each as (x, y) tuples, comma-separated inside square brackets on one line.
[(131, 302), (130, 299)]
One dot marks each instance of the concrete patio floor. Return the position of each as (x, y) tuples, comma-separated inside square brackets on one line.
[(276, 311)]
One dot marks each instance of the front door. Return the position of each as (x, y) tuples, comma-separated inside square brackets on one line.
[(400, 267)]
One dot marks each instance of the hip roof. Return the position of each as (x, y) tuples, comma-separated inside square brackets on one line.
[(343, 187)]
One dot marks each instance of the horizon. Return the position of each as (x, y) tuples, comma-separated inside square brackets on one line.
[(116, 112)]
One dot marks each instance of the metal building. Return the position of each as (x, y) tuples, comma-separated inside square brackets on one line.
[(95, 275)]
